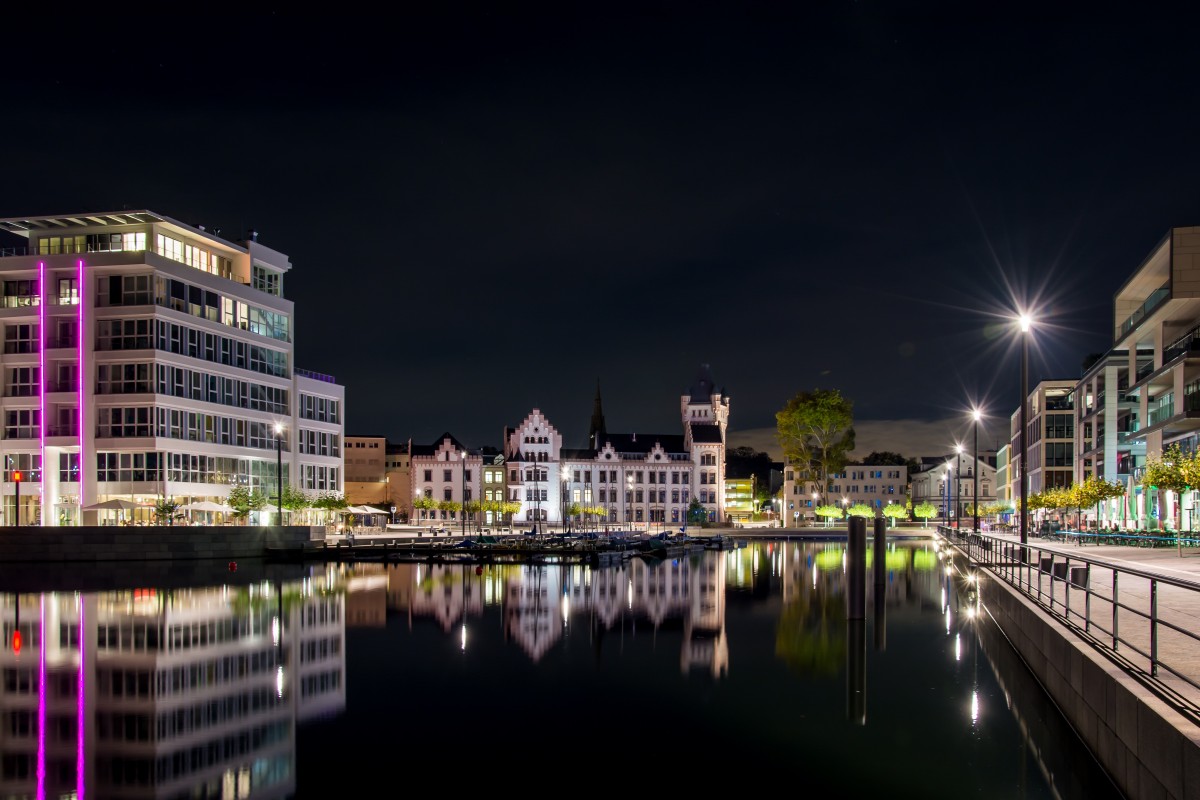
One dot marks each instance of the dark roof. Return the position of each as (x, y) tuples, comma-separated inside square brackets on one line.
[(430, 449), (582, 454), (706, 434), (644, 442), (702, 388)]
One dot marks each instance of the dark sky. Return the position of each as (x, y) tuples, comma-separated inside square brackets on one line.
[(490, 211)]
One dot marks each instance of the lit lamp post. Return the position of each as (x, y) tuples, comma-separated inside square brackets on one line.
[(977, 415), (846, 509), (279, 471), (958, 451), (1025, 322), (629, 499), (563, 499)]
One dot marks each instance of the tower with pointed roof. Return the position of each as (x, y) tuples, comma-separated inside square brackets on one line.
[(596, 431)]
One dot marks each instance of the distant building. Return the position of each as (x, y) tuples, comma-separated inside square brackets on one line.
[(366, 469), (443, 473), (637, 479)]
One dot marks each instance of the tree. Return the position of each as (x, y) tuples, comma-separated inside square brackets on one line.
[(1173, 471), (861, 510), (243, 500), (1092, 492), (829, 512), (696, 515), (815, 430), (895, 511), (294, 499), (925, 512), (165, 511), (884, 458)]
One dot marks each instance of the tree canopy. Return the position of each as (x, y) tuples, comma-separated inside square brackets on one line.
[(815, 430), (884, 458)]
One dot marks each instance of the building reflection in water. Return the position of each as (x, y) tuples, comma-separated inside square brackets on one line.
[(197, 692), (146, 693)]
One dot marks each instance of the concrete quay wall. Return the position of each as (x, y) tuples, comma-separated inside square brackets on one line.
[(167, 543), (1149, 748)]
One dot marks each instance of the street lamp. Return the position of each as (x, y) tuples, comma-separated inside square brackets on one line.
[(563, 497), (629, 499), (977, 415), (463, 511), (279, 470), (1025, 322), (958, 450)]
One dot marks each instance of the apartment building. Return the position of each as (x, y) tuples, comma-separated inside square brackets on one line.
[(146, 358), (1106, 423), (1156, 316), (1051, 439), (876, 486)]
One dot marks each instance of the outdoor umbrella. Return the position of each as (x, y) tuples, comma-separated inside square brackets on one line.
[(205, 505), (113, 505)]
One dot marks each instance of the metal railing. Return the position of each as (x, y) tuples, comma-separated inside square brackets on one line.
[(1156, 299), (1138, 615), (316, 376)]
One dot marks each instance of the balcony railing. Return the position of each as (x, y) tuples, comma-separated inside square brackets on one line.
[(1161, 414), (1144, 372), (316, 376), (64, 248), (1156, 299), (62, 430), (1189, 345)]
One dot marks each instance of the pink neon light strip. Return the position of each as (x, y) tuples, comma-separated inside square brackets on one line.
[(79, 340), (79, 710), (41, 387), (41, 751)]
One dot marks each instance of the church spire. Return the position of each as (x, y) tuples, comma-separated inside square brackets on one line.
[(596, 432)]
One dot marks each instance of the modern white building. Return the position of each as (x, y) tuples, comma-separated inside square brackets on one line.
[(1156, 318), (145, 358)]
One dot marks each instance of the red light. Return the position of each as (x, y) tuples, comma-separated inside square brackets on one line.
[(17, 642), (17, 477)]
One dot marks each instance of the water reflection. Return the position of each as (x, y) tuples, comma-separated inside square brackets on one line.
[(205, 691)]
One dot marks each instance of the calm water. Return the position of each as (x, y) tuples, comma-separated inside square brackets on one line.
[(719, 671)]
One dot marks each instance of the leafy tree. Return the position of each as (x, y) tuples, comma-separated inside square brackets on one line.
[(829, 512), (895, 511), (243, 500), (1173, 471), (861, 510), (815, 430), (294, 499), (884, 458), (925, 512), (330, 501), (165, 511), (1092, 492), (696, 515)]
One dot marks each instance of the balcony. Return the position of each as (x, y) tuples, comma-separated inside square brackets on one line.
[(62, 430), (1162, 414), (1188, 345), (1156, 299)]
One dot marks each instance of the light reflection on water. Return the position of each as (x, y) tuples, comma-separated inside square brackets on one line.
[(295, 687)]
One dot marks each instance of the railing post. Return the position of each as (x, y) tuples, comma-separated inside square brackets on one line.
[(1115, 600), (1153, 628)]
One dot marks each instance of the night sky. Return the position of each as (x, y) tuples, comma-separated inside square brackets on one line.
[(488, 211)]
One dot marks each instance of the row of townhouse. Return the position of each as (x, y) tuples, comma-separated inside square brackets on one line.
[(638, 479), (1131, 402), (145, 358)]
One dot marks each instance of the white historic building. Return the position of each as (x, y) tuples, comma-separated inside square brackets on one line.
[(641, 479), (443, 472), (146, 358)]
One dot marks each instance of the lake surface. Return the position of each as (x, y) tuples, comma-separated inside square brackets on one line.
[(720, 671)]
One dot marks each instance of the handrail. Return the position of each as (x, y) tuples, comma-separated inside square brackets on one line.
[(1118, 607)]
